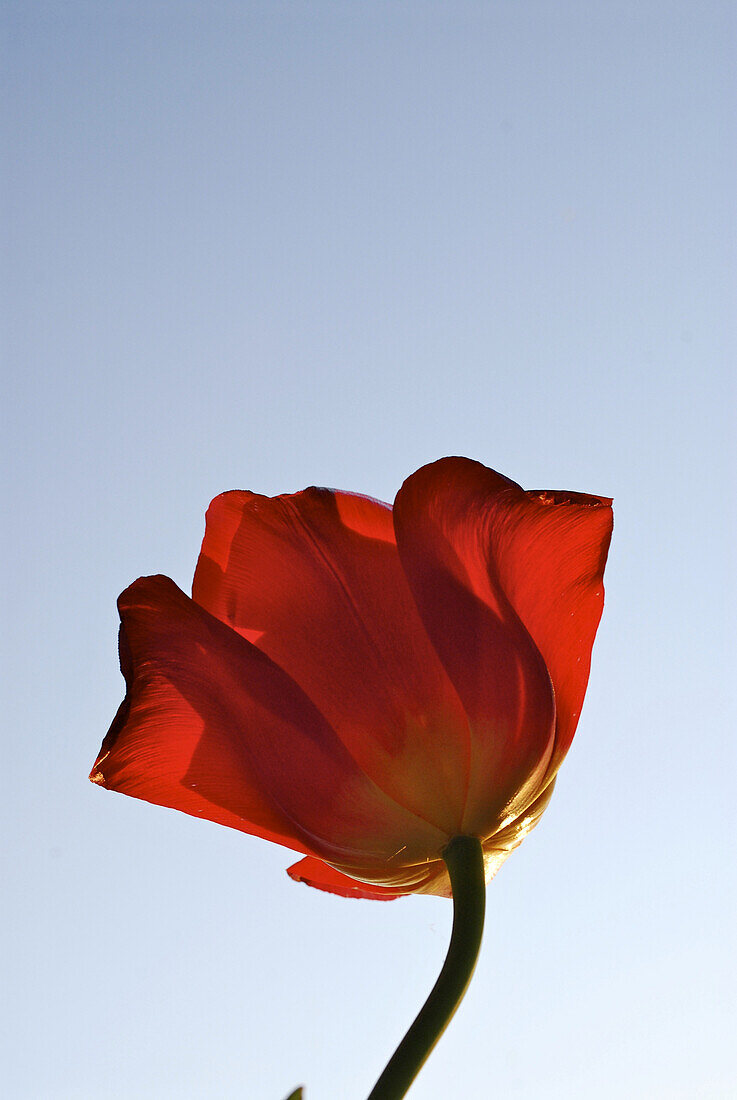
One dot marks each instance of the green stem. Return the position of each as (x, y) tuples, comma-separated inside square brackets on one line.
[(464, 859)]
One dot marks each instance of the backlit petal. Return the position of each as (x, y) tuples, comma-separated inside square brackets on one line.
[(164, 749), (214, 727), (313, 872), (314, 580), (444, 518), (550, 549)]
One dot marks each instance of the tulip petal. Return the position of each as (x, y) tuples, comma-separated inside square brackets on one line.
[(504, 842), (550, 553), (313, 872), (314, 580), (508, 583), (149, 748), (213, 727), (427, 877), (443, 519)]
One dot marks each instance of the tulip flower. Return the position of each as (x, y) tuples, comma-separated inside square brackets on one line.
[(389, 692)]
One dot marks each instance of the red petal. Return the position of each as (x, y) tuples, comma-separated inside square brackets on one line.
[(550, 552), (314, 580), (427, 877), (213, 727), (153, 749), (508, 584), (313, 872), (443, 517)]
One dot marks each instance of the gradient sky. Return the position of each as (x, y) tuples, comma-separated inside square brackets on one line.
[(266, 245)]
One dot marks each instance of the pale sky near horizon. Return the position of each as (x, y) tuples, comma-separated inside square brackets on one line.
[(267, 245)]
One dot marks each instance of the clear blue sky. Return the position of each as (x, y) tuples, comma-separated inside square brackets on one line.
[(266, 245)]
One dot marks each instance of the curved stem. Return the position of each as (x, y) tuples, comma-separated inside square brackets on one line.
[(464, 859)]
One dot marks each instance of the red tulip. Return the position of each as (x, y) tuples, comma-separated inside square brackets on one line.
[(360, 683)]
